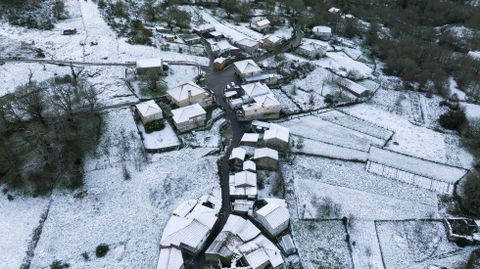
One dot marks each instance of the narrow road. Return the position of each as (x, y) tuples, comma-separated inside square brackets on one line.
[(216, 81)]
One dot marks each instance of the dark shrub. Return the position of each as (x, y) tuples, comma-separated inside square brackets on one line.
[(102, 250), (453, 120), (153, 126)]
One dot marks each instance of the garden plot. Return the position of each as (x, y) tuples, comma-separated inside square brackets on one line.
[(210, 138), (163, 140), (411, 139), (179, 74), (361, 205), (342, 64), (129, 215), (418, 244), (317, 148), (18, 220), (288, 106), (306, 100), (353, 176), (366, 251), (356, 124), (329, 249), (315, 128), (425, 168)]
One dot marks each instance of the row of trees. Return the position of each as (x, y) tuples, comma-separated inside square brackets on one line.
[(46, 129), (33, 13)]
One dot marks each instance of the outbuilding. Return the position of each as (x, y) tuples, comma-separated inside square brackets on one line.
[(249, 139), (191, 39), (243, 185), (260, 24), (248, 45), (189, 117), (312, 50), (149, 65), (322, 32), (237, 156), (266, 158), (149, 111), (249, 166), (273, 216), (277, 137)]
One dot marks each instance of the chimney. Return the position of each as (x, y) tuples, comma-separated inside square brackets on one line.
[(190, 97)]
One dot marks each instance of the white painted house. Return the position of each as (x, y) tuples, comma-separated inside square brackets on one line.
[(243, 185), (189, 117), (263, 107), (149, 111), (273, 216), (312, 50), (189, 93), (149, 65), (322, 32), (247, 68), (260, 24)]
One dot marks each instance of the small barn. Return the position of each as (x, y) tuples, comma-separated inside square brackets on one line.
[(266, 158), (149, 111)]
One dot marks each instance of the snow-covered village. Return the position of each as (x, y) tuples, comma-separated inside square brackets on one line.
[(216, 134)]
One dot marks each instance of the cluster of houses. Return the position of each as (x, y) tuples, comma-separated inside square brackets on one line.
[(187, 230), (190, 98)]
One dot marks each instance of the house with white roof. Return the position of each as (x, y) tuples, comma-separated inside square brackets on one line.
[(149, 65), (248, 45), (272, 40), (189, 117), (247, 68), (250, 139), (149, 111), (266, 158), (273, 216), (190, 224), (260, 24), (263, 107), (255, 89), (353, 87), (222, 47), (312, 50), (189, 93), (277, 137), (249, 166), (237, 156), (243, 185), (322, 32), (241, 239), (170, 258)]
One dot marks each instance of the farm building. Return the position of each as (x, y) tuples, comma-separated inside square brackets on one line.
[(260, 24), (189, 93), (248, 45), (247, 68), (243, 185), (191, 39), (273, 216), (287, 244), (277, 137), (190, 224), (149, 65), (149, 111), (266, 158), (237, 156), (250, 139), (219, 63), (322, 32), (170, 258), (204, 28), (271, 41), (189, 117), (353, 87), (264, 107), (312, 50)]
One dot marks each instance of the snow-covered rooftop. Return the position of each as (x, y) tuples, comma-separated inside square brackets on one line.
[(247, 66), (322, 29), (249, 166), (170, 258), (181, 92), (255, 89), (247, 42), (275, 213), (184, 114), (265, 153), (313, 46), (243, 183), (238, 153), (353, 87), (149, 63), (277, 132), (250, 138), (148, 108)]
